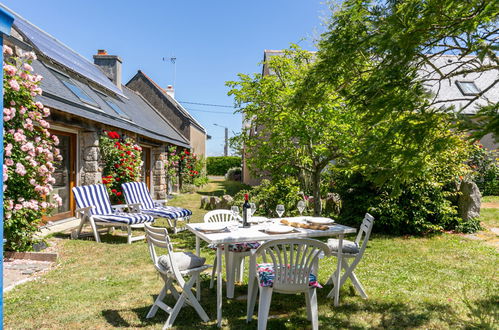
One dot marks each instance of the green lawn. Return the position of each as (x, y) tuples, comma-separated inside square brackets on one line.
[(443, 281)]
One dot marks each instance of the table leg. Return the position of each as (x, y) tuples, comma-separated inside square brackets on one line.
[(219, 285), (338, 273), (198, 248), (198, 280)]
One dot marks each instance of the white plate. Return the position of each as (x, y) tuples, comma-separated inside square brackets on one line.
[(258, 219), (213, 227), (319, 220), (276, 229)]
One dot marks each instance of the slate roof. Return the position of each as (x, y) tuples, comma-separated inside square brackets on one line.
[(170, 101), (143, 118)]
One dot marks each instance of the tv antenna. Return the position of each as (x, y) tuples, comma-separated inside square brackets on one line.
[(172, 60)]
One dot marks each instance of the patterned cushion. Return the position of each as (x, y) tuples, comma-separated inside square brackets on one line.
[(128, 218), (183, 260), (348, 246), (137, 192), (170, 212), (93, 195), (266, 275), (238, 247)]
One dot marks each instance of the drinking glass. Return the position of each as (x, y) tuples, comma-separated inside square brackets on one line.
[(301, 207), (235, 212), (280, 210), (253, 208)]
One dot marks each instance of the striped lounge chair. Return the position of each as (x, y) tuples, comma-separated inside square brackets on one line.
[(95, 208), (137, 193)]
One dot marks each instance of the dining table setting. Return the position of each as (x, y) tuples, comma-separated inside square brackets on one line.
[(263, 229)]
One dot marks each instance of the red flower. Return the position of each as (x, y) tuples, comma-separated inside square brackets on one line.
[(113, 135), (118, 193), (114, 191), (118, 179), (116, 166), (128, 152), (122, 154), (187, 152)]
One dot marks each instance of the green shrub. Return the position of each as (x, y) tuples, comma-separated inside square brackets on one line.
[(234, 174), (469, 226), (220, 165), (188, 188), (200, 181), (485, 170), (269, 194)]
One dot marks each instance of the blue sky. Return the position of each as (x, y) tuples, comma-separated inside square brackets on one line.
[(213, 41)]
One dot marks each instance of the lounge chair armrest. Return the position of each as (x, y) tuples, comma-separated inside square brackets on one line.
[(160, 201), (134, 207), (119, 207), (84, 210)]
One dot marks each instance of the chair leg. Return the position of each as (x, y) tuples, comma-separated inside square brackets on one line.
[(311, 296), (193, 301), (155, 307), (198, 287), (264, 306), (252, 293), (356, 283), (80, 227), (129, 234), (213, 272), (240, 269), (94, 229)]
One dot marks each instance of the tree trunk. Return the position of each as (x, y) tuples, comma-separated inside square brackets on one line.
[(316, 189)]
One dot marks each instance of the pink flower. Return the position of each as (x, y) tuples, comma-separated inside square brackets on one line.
[(58, 199), (7, 50), (27, 67), (10, 70), (22, 110), (17, 207), (20, 169), (32, 182), (14, 85), (5, 173), (8, 150), (9, 162), (39, 105)]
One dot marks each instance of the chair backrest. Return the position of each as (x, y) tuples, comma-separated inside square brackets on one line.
[(364, 232), (293, 261), (93, 195), (137, 192), (219, 216), (158, 238)]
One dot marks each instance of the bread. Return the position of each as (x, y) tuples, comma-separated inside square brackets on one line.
[(303, 225)]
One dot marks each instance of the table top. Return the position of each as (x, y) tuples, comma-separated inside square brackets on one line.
[(257, 233)]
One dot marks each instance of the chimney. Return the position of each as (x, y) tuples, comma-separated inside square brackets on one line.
[(110, 64), (170, 91)]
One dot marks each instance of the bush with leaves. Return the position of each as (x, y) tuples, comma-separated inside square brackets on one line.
[(485, 170), (220, 165), (122, 163), (234, 174), (29, 151)]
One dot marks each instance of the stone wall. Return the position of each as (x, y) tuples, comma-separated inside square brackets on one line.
[(159, 185), (90, 170)]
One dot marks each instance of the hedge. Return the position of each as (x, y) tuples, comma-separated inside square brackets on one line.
[(220, 165)]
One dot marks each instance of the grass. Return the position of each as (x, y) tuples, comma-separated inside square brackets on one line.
[(442, 281), (490, 199)]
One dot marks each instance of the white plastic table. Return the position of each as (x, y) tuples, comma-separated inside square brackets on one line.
[(257, 233)]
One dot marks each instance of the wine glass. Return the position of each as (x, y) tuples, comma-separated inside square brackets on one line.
[(301, 207), (235, 212), (280, 210), (253, 208)]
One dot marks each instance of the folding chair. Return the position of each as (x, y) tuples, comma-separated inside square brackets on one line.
[(289, 266), (172, 267), (137, 193), (234, 254), (351, 250), (95, 208)]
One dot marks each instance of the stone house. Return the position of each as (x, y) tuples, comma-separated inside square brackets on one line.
[(461, 91), (164, 100), (87, 99)]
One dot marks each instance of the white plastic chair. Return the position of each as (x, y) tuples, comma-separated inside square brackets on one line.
[(234, 260), (158, 238), (351, 250), (293, 261)]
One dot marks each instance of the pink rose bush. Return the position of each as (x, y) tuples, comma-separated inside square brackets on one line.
[(29, 153)]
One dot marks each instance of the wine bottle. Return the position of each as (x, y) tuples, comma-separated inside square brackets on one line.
[(246, 211)]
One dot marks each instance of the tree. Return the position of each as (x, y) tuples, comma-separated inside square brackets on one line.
[(377, 57), (283, 139)]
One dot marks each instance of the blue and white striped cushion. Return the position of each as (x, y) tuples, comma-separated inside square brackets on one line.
[(170, 212), (128, 218), (137, 192), (93, 195)]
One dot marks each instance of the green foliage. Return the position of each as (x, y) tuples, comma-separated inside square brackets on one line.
[(469, 226), (30, 154), (220, 165), (186, 166), (269, 194), (485, 170), (234, 174), (122, 163), (200, 181), (285, 139)]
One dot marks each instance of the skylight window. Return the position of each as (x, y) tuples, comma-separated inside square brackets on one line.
[(468, 87), (116, 108), (71, 85)]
